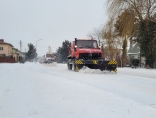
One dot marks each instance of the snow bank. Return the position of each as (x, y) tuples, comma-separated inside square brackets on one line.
[(88, 70), (54, 64), (93, 71)]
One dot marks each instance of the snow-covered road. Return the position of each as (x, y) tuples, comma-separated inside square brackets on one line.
[(39, 91)]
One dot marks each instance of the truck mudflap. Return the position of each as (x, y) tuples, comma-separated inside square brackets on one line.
[(96, 64)]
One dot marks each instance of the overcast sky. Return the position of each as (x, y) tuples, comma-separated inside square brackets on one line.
[(51, 20)]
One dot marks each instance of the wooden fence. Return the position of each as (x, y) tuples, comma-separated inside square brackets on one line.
[(7, 60)]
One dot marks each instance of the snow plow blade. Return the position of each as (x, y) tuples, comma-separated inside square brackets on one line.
[(96, 64)]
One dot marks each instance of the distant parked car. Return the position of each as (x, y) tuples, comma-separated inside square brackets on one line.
[(135, 63), (22, 61)]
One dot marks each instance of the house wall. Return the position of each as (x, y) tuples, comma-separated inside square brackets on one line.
[(15, 57), (15, 54), (135, 56), (7, 49)]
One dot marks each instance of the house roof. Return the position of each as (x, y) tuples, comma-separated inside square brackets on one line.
[(15, 49), (2, 42), (135, 49)]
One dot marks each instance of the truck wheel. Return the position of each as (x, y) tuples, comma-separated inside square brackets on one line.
[(69, 66), (74, 65)]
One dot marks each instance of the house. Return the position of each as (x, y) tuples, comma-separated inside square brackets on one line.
[(18, 55), (15, 54), (134, 53), (21, 56), (5, 48)]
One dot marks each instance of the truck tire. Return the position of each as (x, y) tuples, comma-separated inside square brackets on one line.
[(69, 66), (74, 66)]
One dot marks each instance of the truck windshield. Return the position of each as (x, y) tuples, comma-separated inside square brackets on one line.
[(87, 44)]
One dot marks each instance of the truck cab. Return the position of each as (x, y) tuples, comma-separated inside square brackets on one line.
[(85, 49)]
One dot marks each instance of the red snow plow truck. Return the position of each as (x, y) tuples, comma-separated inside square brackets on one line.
[(86, 52)]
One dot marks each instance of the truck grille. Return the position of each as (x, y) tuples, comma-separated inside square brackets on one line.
[(87, 56)]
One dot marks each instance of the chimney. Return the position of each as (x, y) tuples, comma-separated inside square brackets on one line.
[(1, 40)]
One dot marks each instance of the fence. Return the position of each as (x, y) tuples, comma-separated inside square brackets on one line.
[(6, 60)]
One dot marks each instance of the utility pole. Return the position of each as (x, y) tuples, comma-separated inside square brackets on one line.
[(36, 48), (20, 45)]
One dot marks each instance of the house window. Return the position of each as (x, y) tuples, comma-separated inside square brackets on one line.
[(1, 48)]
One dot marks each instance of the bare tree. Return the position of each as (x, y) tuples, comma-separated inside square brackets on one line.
[(95, 34), (142, 8)]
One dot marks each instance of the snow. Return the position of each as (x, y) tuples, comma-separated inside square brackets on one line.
[(52, 91)]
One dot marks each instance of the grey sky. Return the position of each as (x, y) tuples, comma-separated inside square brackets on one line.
[(50, 20)]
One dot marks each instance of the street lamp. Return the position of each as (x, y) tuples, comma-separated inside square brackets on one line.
[(36, 44), (36, 47)]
